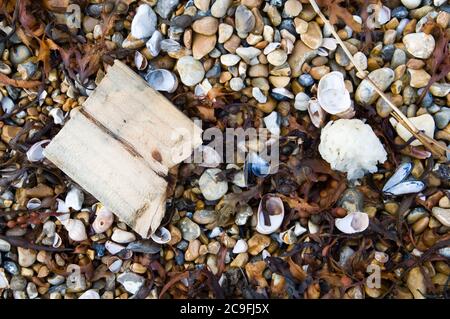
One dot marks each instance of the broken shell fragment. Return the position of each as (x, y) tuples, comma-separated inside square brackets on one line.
[(35, 152), (113, 248), (162, 80), (270, 214), (154, 43), (161, 236), (103, 220), (74, 198), (301, 101), (355, 222), (57, 114), (272, 122), (332, 94), (76, 229), (288, 237)]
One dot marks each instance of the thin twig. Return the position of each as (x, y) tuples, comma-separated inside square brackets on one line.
[(427, 141)]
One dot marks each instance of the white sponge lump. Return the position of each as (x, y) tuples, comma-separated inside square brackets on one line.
[(352, 147)]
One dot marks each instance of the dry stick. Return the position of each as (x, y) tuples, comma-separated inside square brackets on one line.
[(427, 141)]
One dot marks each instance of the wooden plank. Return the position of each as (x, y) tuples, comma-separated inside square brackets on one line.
[(126, 105), (122, 181)]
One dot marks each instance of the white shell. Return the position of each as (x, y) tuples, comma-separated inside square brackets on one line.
[(272, 122), (90, 294), (62, 207), (301, 101), (103, 220), (113, 248), (57, 241), (74, 198), (7, 105), (122, 237), (162, 80), (316, 113), (275, 220), (58, 115), (332, 95), (76, 229), (313, 228), (140, 61), (240, 247), (259, 95), (355, 222), (35, 152), (161, 236), (34, 203), (265, 254)]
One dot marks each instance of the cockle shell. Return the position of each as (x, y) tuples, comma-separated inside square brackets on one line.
[(354, 222), (332, 94), (316, 113), (35, 152), (161, 236), (275, 209), (140, 61), (162, 80), (103, 220)]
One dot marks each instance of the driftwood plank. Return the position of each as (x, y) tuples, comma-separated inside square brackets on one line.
[(124, 183), (120, 145)]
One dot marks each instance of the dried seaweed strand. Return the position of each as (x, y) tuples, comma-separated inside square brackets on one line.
[(427, 141)]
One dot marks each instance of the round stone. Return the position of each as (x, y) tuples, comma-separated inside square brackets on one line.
[(220, 7), (306, 80), (189, 229), (191, 70), (210, 184), (245, 21), (206, 26), (204, 216), (277, 57), (411, 4), (365, 93), (420, 45)]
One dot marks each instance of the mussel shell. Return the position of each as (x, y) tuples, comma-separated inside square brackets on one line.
[(408, 187), (316, 113), (399, 176)]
